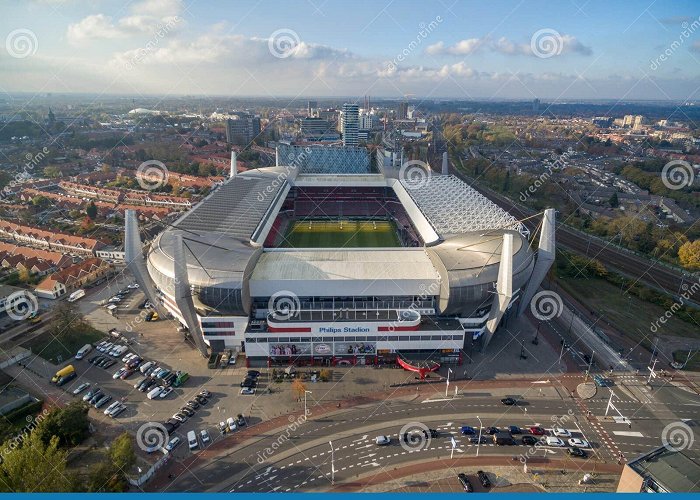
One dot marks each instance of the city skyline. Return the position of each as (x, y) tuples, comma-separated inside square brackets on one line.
[(470, 51)]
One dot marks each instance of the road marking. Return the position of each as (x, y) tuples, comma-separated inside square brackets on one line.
[(628, 433), (361, 439)]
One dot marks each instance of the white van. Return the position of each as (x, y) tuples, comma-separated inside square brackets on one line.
[(154, 393), (192, 440), (83, 351)]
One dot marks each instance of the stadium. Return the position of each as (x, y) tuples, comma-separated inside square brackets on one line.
[(289, 265)]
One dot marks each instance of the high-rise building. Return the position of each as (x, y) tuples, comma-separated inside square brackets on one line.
[(402, 111), (349, 124), (242, 128), (318, 129), (366, 121), (535, 105), (312, 109), (633, 121)]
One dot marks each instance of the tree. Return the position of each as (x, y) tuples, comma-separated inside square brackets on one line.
[(52, 172), (91, 210), (689, 255), (70, 425), (110, 474), (35, 467), (298, 388), (121, 453), (614, 201), (23, 275)]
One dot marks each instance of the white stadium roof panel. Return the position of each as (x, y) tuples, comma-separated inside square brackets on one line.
[(453, 207)]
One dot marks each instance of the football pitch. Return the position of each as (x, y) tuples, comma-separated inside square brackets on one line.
[(341, 234)]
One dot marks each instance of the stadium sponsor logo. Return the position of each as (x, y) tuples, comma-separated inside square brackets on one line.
[(347, 329), (323, 349)]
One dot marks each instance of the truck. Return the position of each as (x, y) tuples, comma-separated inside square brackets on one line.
[(181, 378), (223, 363), (63, 373), (214, 360), (76, 295)]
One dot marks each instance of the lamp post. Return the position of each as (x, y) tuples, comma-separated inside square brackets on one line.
[(590, 362), (306, 412), (479, 442), (332, 463), (447, 380)]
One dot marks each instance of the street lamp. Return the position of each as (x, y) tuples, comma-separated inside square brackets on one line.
[(306, 412), (479, 442), (590, 362), (447, 380), (332, 463)]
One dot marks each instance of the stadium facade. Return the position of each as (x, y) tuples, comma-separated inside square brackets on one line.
[(456, 268)]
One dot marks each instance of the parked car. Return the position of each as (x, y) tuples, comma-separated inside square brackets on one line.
[(94, 399), (202, 400), (253, 374), (180, 417), (164, 393), (477, 440), (91, 393), (537, 431), (464, 481), (205, 393), (128, 357), (173, 443), (514, 429), (81, 388), (204, 436), (187, 411), (492, 430), (133, 362), (154, 393), (111, 407), (231, 424), (83, 351), (240, 420), (144, 367), (116, 411), (192, 440), (127, 373), (139, 382), (133, 286), (109, 364), (483, 479), (248, 391)]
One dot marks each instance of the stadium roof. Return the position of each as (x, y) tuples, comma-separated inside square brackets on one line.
[(452, 207), (237, 207)]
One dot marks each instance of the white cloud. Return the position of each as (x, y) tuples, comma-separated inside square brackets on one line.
[(463, 47), (569, 45)]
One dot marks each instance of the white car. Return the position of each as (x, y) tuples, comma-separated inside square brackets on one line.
[(154, 393), (204, 436), (382, 440), (164, 393), (114, 300), (173, 443), (106, 347), (126, 358), (133, 285), (116, 411), (248, 390), (554, 441), (231, 424), (578, 443), (81, 388), (560, 432), (111, 407), (119, 350), (146, 366), (119, 373)]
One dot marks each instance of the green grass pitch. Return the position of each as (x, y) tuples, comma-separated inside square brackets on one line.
[(341, 234)]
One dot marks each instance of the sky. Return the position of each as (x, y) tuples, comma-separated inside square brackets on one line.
[(556, 50)]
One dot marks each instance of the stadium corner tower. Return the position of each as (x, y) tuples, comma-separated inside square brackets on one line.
[(308, 264)]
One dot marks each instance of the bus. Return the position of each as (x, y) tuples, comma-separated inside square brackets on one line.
[(76, 295)]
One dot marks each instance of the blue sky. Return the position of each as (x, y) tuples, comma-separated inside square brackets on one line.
[(551, 50)]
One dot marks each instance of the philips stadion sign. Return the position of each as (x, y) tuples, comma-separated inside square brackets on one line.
[(347, 329)]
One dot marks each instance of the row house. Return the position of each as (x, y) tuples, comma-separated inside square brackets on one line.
[(73, 278), (49, 239), (92, 192)]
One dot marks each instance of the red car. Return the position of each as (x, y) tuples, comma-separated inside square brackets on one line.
[(537, 431)]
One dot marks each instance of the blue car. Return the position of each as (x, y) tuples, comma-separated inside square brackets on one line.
[(466, 430)]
